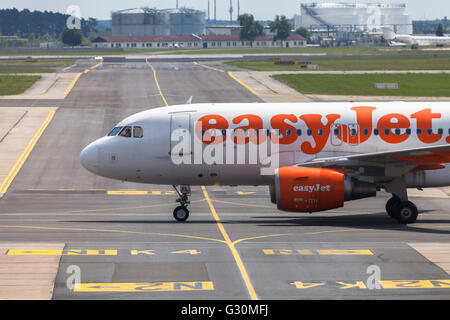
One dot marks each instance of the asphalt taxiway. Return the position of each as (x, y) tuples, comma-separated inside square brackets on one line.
[(120, 238)]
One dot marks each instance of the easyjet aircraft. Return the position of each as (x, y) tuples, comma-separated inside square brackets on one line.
[(414, 41), (313, 156)]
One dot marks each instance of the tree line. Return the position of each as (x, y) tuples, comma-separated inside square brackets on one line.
[(39, 25), (281, 26)]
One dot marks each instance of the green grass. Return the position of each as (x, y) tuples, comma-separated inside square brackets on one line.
[(26, 70), (308, 50), (10, 85), (98, 52), (421, 85), (352, 63), (43, 63)]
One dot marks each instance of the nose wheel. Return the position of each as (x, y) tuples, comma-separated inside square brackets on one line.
[(181, 213)]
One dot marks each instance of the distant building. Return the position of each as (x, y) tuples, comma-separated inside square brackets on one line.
[(153, 22), (201, 41), (354, 17)]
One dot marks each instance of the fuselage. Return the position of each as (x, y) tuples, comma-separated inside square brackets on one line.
[(243, 143), (422, 40)]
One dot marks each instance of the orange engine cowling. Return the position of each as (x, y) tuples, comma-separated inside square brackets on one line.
[(302, 189)]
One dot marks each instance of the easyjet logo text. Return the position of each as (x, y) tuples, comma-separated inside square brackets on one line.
[(311, 189), (315, 129)]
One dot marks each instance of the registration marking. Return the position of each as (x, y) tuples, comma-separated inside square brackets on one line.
[(145, 287), (384, 284), (321, 252)]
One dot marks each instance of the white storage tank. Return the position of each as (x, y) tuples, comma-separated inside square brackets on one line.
[(356, 16)]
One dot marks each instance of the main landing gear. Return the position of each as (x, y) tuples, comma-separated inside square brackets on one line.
[(398, 207), (403, 211), (181, 213)]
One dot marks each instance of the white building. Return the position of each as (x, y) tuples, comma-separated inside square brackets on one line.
[(366, 17), (202, 41)]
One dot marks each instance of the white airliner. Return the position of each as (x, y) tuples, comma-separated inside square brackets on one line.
[(414, 41), (313, 156)]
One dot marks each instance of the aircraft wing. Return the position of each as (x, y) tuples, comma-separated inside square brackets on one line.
[(385, 165)]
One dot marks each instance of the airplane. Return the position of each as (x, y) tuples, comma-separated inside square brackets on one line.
[(414, 41), (312, 156)]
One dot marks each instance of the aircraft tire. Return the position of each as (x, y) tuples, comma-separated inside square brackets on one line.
[(405, 212), (390, 205), (181, 213)]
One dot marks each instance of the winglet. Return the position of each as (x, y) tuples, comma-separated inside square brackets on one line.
[(189, 100)]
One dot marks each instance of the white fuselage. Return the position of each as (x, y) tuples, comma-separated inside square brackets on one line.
[(422, 40), (298, 133)]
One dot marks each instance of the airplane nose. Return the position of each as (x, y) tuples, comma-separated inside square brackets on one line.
[(89, 158)]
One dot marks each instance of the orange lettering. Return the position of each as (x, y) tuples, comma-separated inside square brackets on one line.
[(364, 120), (385, 125), (278, 122), (424, 122), (254, 123), (320, 132), (205, 124)]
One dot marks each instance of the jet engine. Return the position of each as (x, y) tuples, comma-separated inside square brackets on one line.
[(302, 189)]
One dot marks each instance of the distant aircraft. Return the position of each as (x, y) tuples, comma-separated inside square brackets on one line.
[(313, 156), (414, 41)]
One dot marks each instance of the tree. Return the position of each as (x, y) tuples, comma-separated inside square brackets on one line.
[(72, 37), (282, 28), (440, 30), (250, 29), (304, 32)]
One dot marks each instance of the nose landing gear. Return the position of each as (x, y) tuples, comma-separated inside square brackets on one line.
[(181, 213)]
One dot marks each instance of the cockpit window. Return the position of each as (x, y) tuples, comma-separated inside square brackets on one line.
[(114, 131), (138, 132), (126, 132)]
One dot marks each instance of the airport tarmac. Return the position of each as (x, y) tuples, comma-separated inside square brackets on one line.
[(123, 240)]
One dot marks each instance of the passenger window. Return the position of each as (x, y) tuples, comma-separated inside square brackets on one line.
[(114, 131), (376, 132), (138, 132), (430, 132), (387, 132), (309, 132), (126, 132), (336, 132), (366, 132), (299, 132), (440, 131), (408, 132), (419, 131), (320, 132), (397, 132)]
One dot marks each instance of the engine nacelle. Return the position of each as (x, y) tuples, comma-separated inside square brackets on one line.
[(302, 189)]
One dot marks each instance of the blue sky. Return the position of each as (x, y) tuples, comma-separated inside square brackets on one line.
[(262, 10)]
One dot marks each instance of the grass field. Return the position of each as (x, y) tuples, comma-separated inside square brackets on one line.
[(42, 63), (10, 85), (420, 85), (274, 50), (26, 70), (433, 62), (308, 50)]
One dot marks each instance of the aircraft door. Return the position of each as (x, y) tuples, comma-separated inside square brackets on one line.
[(180, 133)]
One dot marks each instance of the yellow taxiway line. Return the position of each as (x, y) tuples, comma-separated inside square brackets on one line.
[(74, 82), (157, 82), (231, 246), (24, 156), (242, 83), (207, 67)]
